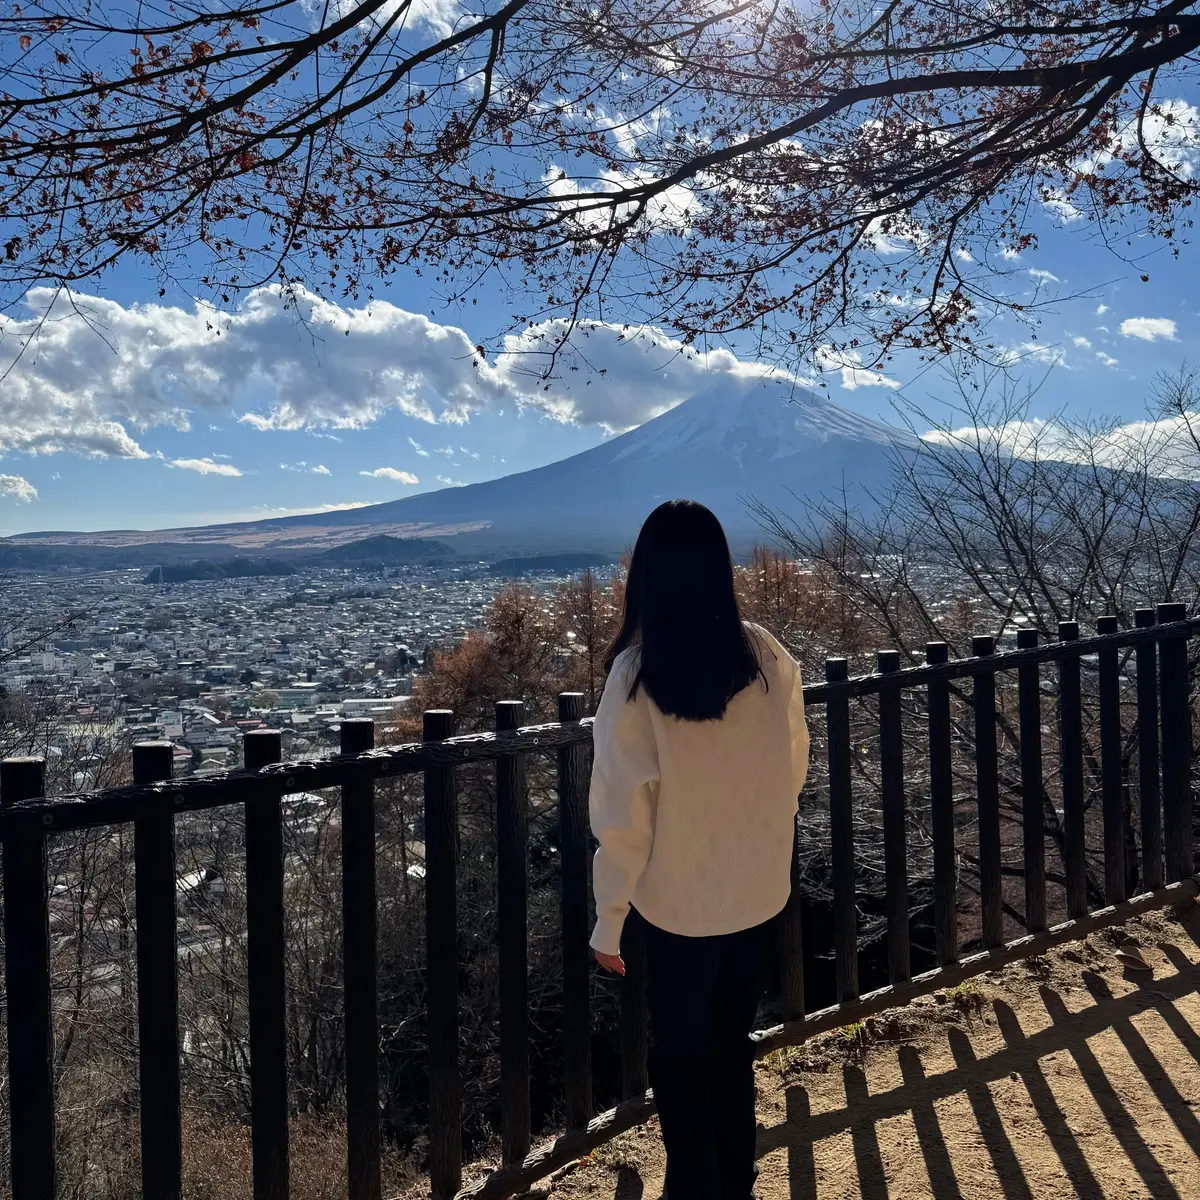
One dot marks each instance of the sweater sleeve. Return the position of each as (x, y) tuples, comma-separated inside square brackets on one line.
[(798, 726), (621, 804), (789, 675)]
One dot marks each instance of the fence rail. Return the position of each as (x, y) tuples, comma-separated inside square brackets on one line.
[(1159, 643)]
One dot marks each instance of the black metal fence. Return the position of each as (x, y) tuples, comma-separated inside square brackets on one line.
[(1157, 648)]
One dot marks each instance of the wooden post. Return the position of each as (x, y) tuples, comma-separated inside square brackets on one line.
[(512, 918), (941, 805), (1070, 746), (987, 791), (577, 955), (895, 849), (1111, 791), (1149, 791), (1176, 746), (841, 833), (266, 978), (1029, 688), (359, 972), (441, 948), (791, 959), (157, 982), (27, 978)]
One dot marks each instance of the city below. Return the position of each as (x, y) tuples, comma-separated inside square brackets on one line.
[(200, 663)]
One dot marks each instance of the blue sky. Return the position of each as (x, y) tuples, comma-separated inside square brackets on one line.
[(129, 413)]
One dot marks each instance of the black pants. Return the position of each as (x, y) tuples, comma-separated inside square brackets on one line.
[(703, 995)]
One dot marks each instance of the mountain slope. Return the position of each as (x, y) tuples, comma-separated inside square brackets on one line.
[(742, 438), (736, 440)]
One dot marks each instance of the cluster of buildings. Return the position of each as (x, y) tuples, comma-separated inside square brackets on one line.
[(201, 663)]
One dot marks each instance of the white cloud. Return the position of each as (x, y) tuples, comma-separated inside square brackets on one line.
[(1170, 132), (205, 466), (1081, 342), (156, 365), (448, 482), (1010, 253), (1101, 309), (1167, 443), (674, 208), (1056, 202), (1106, 359), (1043, 276), (317, 469), (468, 453), (1148, 329), (849, 363), (897, 233), (15, 487), (963, 254), (392, 474)]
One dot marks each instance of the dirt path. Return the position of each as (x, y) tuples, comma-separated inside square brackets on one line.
[(1069, 1075)]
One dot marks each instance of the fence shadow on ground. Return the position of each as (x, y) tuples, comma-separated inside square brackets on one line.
[(1083, 1092)]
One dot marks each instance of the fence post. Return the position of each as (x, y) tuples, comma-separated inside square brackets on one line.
[(27, 979), (895, 851), (841, 834), (266, 982), (1176, 746), (1111, 790), (941, 808), (512, 919), (441, 950), (1070, 746), (1149, 791), (577, 956), (1029, 689), (987, 792), (360, 1013), (791, 958), (157, 981)]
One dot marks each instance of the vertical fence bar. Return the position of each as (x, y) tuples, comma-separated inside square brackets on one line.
[(1176, 746), (1070, 747), (27, 979), (1149, 792), (635, 1077), (157, 982), (841, 833), (941, 811), (1029, 700), (441, 969), (577, 957), (895, 850), (1111, 790), (265, 978), (791, 957), (987, 792), (512, 838), (360, 1012)]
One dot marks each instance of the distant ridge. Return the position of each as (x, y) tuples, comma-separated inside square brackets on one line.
[(565, 564)]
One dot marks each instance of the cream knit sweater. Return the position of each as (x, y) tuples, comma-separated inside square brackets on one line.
[(695, 818)]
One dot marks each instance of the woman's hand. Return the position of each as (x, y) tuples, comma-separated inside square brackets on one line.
[(611, 962)]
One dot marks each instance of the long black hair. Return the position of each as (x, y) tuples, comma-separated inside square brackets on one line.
[(681, 611)]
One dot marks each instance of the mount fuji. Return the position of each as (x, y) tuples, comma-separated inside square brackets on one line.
[(744, 438)]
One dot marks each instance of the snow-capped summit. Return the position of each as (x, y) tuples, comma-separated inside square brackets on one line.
[(745, 437)]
